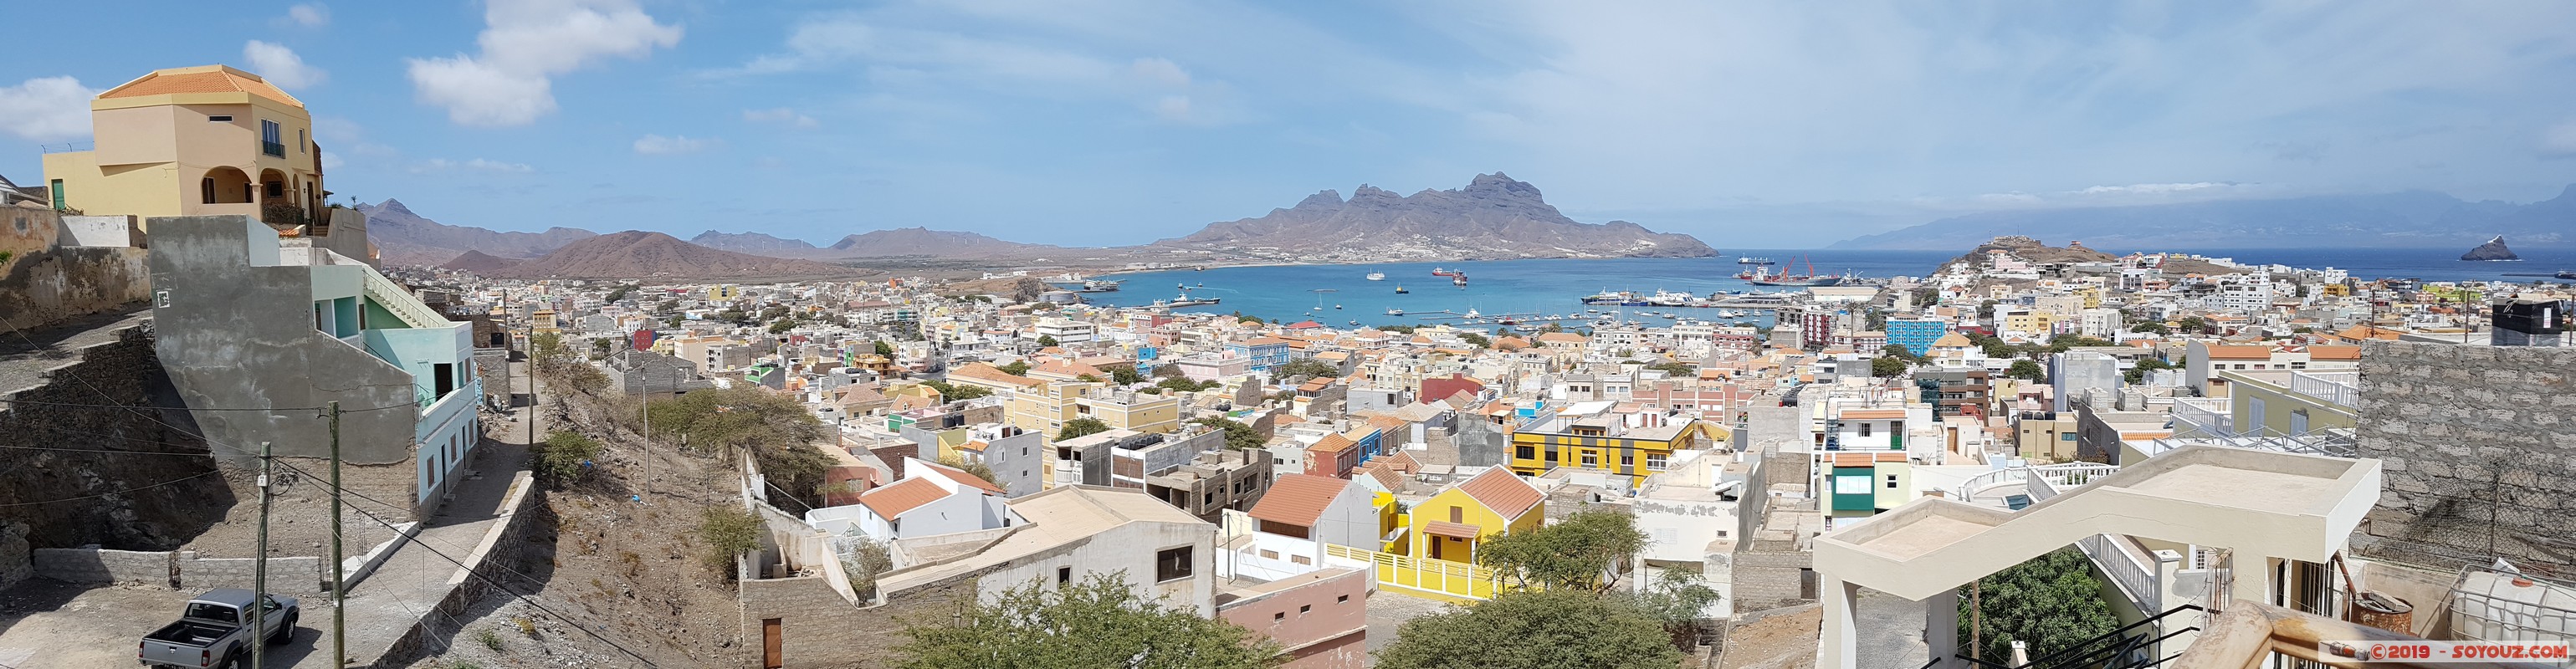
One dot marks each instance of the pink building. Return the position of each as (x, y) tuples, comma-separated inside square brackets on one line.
[(1319, 618)]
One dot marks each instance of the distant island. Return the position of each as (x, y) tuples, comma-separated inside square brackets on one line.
[(2492, 250), (1494, 217), (2410, 219)]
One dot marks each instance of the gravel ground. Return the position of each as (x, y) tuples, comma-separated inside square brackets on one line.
[(51, 625), (1388, 610)]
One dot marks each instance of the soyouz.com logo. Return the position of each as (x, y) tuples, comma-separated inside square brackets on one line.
[(2427, 652)]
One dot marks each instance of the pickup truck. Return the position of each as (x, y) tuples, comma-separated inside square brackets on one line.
[(216, 631)]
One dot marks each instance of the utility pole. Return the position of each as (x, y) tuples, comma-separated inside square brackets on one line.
[(339, 585), (259, 574)]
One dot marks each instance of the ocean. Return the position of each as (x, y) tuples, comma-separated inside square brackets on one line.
[(1546, 287)]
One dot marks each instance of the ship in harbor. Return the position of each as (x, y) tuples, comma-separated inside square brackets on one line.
[(1185, 300), (1750, 260), (1377, 276), (1437, 271), (1761, 275)]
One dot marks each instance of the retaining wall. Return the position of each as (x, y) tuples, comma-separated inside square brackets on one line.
[(2477, 445), (179, 570)]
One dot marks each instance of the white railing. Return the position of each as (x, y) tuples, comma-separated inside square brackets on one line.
[(1980, 483), (2336, 387), (2047, 481), (2129, 566), (2203, 418), (385, 292)]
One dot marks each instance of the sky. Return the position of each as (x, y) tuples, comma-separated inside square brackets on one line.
[(1078, 122)]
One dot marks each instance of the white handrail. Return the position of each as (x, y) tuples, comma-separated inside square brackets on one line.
[(399, 301)]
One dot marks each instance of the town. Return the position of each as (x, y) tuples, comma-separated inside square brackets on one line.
[(220, 404)]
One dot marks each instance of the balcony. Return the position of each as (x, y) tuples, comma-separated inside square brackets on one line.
[(2339, 388), (273, 149)]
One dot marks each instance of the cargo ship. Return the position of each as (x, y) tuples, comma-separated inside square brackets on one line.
[(1436, 271), (1761, 276)]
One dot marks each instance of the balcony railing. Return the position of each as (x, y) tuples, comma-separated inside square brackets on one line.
[(273, 149), (2128, 565), (2335, 387)]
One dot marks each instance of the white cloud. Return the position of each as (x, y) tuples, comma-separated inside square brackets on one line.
[(332, 161), (524, 44), (46, 108), (477, 164), (657, 145), (279, 65), (1174, 108), (781, 115), (309, 15), (2153, 189), (2560, 140), (1161, 71)]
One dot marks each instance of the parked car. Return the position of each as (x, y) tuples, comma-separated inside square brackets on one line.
[(215, 630)]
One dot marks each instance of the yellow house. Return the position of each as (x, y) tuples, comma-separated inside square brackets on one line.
[(1450, 525), (898, 392), (194, 141), (1046, 407), (726, 293), (1600, 441)]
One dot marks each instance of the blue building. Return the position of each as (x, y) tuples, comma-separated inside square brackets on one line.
[(1264, 352), (1915, 334)]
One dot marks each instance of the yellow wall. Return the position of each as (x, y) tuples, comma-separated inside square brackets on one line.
[(1606, 451), (1471, 512), (1902, 492), (152, 152)]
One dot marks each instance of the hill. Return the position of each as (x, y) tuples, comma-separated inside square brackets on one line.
[(755, 243), (408, 238), (2413, 218), (1494, 216), (479, 262), (936, 243), (654, 256)]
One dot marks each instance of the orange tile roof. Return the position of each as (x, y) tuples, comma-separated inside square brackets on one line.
[(988, 372), (891, 501), (1298, 499), (1502, 492), (960, 476), (1865, 459), (210, 79), (1872, 414), (2334, 353), (1331, 443)]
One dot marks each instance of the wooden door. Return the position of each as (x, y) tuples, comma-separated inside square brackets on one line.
[(771, 643)]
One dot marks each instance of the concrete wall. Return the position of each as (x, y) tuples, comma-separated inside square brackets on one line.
[(291, 575), (820, 628), (1321, 624), (43, 283), (2479, 452), (100, 231), (157, 569), (237, 333)]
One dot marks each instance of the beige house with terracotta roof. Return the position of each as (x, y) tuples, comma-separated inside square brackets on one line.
[(194, 141)]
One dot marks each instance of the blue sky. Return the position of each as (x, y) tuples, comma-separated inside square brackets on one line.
[(1094, 123)]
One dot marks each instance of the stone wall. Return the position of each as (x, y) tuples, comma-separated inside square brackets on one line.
[(157, 569), (301, 576), (2478, 450), (819, 628), (17, 560), (43, 283), (133, 476)]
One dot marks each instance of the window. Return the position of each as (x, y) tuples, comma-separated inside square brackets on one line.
[(1306, 609), (205, 190), (223, 118), (1279, 617), (1654, 461), (1525, 453), (1173, 563), (271, 139), (2069, 436), (300, 141), (1063, 575), (1627, 459), (1891, 481), (1344, 599), (58, 195), (1457, 514), (1864, 429)]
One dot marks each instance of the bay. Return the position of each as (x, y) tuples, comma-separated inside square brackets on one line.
[(1557, 286)]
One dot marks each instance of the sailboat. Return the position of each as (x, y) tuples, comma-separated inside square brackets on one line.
[(1377, 276)]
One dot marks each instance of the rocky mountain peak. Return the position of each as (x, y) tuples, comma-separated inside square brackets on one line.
[(393, 205), (1503, 184), (1324, 199)]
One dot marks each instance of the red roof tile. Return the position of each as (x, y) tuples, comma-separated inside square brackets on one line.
[(891, 501), (1502, 492), (1298, 499)]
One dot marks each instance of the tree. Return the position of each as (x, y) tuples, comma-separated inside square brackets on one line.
[(2026, 370), (2195, 325), (619, 293), (1677, 598), (2050, 602), (2138, 373), (2151, 327), (772, 426), (2061, 343), (1238, 436), (1125, 375), (1897, 351), (1305, 367), (1570, 553), (1016, 368), (1924, 297), (976, 467), (1534, 630), (1096, 622), (1888, 368), (1086, 378), (1184, 385), (1047, 340), (563, 457), (1680, 369), (1079, 427), (782, 326), (728, 532), (1476, 340), (955, 392), (886, 349)]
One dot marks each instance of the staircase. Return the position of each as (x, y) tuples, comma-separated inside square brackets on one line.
[(399, 301)]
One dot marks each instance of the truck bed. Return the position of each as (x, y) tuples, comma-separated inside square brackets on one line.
[(190, 633)]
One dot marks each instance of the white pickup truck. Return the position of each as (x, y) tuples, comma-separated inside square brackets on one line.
[(215, 631)]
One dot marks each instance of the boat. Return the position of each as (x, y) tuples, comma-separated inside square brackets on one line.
[(1750, 260), (1355, 322), (1099, 286), (1187, 301), (1337, 306), (1377, 276), (1471, 312), (1759, 276), (1459, 280), (1399, 289), (1392, 311), (1435, 271)]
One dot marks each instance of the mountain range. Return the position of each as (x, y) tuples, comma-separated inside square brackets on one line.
[(1494, 216), (409, 239), (2410, 218), (636, 254)]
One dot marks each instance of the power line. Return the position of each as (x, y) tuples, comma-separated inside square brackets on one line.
[(498, 585), (120, 492), (75, 405)]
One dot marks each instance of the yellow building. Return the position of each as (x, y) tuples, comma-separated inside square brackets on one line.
[(1046, 407), (1451, 524), (724, 293), (194, 141), (1600, 441)]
